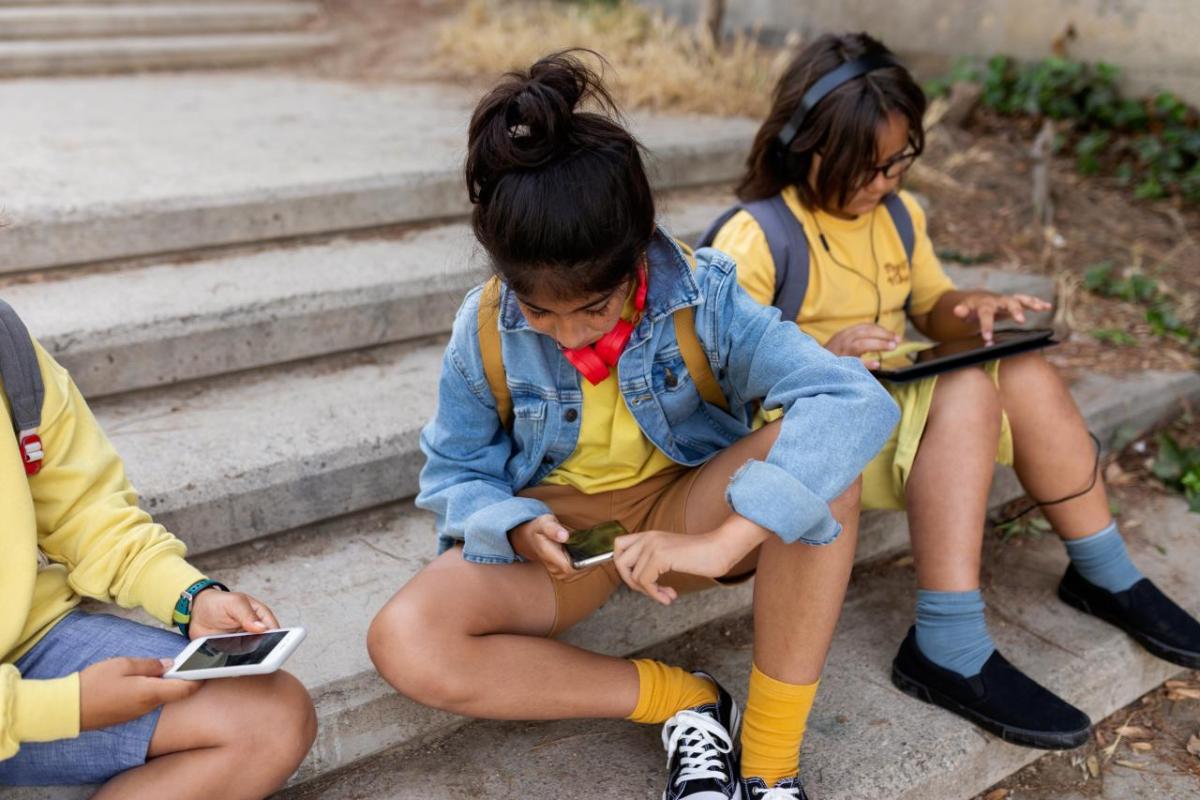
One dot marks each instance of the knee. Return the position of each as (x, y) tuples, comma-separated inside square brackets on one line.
[(969, 395), (276, 724), (411, 654), (1030, 371)]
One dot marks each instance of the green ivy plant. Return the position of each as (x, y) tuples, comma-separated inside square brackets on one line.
[(1161, 311), (1153, 144), (1179, 468)]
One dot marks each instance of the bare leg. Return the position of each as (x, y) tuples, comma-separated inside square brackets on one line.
[(1054, 456), (470, 638), (948, 486), (799, 588), (237, 739)]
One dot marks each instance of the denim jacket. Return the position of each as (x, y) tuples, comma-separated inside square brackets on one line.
[(836, 416)]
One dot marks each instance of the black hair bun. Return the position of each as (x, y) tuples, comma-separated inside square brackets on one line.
[(531, 119)]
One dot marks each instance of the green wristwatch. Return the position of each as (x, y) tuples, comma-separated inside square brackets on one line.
[(182, 615)]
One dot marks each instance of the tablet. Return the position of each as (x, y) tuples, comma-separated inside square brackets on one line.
[(909, 363), (235, 654)]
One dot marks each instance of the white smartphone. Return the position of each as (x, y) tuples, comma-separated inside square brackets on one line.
[(231, 655)]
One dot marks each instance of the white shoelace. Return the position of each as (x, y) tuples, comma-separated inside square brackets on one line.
[(701, 741), (777, 793)]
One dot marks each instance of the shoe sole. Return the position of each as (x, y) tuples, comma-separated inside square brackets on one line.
[(1027, 738), (1183, 658)]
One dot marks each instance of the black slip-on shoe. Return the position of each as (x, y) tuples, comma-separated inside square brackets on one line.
[(786, 789), (1142, 611), (702, 761), (1000, 699)]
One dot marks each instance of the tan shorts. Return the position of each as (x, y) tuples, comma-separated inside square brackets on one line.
[(658, 503)]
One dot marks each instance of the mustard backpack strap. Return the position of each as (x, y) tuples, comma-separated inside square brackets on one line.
[(696, 359), (489, 350)]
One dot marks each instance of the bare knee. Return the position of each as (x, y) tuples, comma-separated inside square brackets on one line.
[(413, 654), (969, 398), (270, 721)]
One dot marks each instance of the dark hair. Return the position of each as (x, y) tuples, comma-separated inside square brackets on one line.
[(562, 201), (843, 127)]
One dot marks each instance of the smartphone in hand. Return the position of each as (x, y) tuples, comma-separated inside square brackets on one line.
[(594, 545)]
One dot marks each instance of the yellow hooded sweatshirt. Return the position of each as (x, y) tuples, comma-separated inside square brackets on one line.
[(83, 515)]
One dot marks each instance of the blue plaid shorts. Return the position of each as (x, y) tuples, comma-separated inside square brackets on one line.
[(78, 641)]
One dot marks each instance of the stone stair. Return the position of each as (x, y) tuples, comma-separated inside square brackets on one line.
[(266, 379), (53, 38)]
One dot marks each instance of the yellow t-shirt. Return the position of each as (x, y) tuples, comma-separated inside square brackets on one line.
[(612, 452), (837, 298)]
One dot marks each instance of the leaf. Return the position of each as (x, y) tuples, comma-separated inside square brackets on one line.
[(1093, 765), (1142, 747), (1193, 745), (1183, 694), (1134, 732), (1130, 764), (996, 794)]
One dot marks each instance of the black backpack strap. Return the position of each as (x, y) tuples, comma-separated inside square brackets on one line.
[(22, 378), (788, 245), (903, 222)]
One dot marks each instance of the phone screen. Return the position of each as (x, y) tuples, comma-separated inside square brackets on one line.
[(233, 651), (595, 541)]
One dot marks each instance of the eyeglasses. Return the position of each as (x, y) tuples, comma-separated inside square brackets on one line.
[(894, 167)]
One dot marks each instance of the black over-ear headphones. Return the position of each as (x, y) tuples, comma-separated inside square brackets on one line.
[(827, 83)]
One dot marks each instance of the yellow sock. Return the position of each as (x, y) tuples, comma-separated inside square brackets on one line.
[(773, 727), (664, 690)]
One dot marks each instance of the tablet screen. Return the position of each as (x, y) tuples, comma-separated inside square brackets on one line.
[(233, 651), (913, 354)]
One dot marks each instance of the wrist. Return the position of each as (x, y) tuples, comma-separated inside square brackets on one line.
[(185, 607)]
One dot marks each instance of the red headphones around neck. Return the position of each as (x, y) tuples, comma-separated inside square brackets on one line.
[(595, 361)]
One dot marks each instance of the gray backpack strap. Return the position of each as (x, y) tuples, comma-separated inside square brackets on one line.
[(22, 378), (787, 243), (903, 222)]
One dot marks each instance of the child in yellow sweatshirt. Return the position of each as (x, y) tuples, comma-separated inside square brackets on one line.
[(82, 700)]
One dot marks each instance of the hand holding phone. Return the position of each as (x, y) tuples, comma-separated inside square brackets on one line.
[(117, 690), (541, 539)]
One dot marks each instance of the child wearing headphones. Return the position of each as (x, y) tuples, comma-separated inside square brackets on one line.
[(845, 124), (607, 374)]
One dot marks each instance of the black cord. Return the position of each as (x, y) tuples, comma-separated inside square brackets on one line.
[(1042, 503), (874, 283)]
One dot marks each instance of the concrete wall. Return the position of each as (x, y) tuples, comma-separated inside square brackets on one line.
[(1156, 42)]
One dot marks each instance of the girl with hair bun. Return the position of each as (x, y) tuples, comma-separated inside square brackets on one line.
[(825, 168), (608, 374)]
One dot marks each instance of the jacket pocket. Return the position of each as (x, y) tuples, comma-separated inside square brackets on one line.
[(673, 386)]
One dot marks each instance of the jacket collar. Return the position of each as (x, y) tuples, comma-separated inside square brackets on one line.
[(671, 284)]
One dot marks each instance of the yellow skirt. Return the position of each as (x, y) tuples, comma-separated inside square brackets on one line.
[(885, 478)]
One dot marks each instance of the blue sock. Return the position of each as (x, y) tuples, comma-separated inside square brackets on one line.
[(951, 630), (1103, 560)]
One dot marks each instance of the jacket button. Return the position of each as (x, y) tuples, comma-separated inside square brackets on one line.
[(571, 415)]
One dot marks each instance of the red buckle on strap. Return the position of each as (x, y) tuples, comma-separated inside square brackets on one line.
[(32, 453)]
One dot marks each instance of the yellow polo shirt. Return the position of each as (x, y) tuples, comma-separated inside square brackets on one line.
[(842, 295)]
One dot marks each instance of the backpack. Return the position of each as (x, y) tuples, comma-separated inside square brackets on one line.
[(23, 386), (493, 361), (788, 243)]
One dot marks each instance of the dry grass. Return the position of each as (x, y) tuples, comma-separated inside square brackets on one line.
[(656, 63)]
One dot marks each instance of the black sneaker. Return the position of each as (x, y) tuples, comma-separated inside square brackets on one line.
[(701, 762), (1142, 611), (1000, 699), (786, 789)]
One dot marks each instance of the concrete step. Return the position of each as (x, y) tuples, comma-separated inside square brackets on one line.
[(866, 740), (359, 715), (247, 455), (268, 156), (134, 53), (149, 19), (171, 322)]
